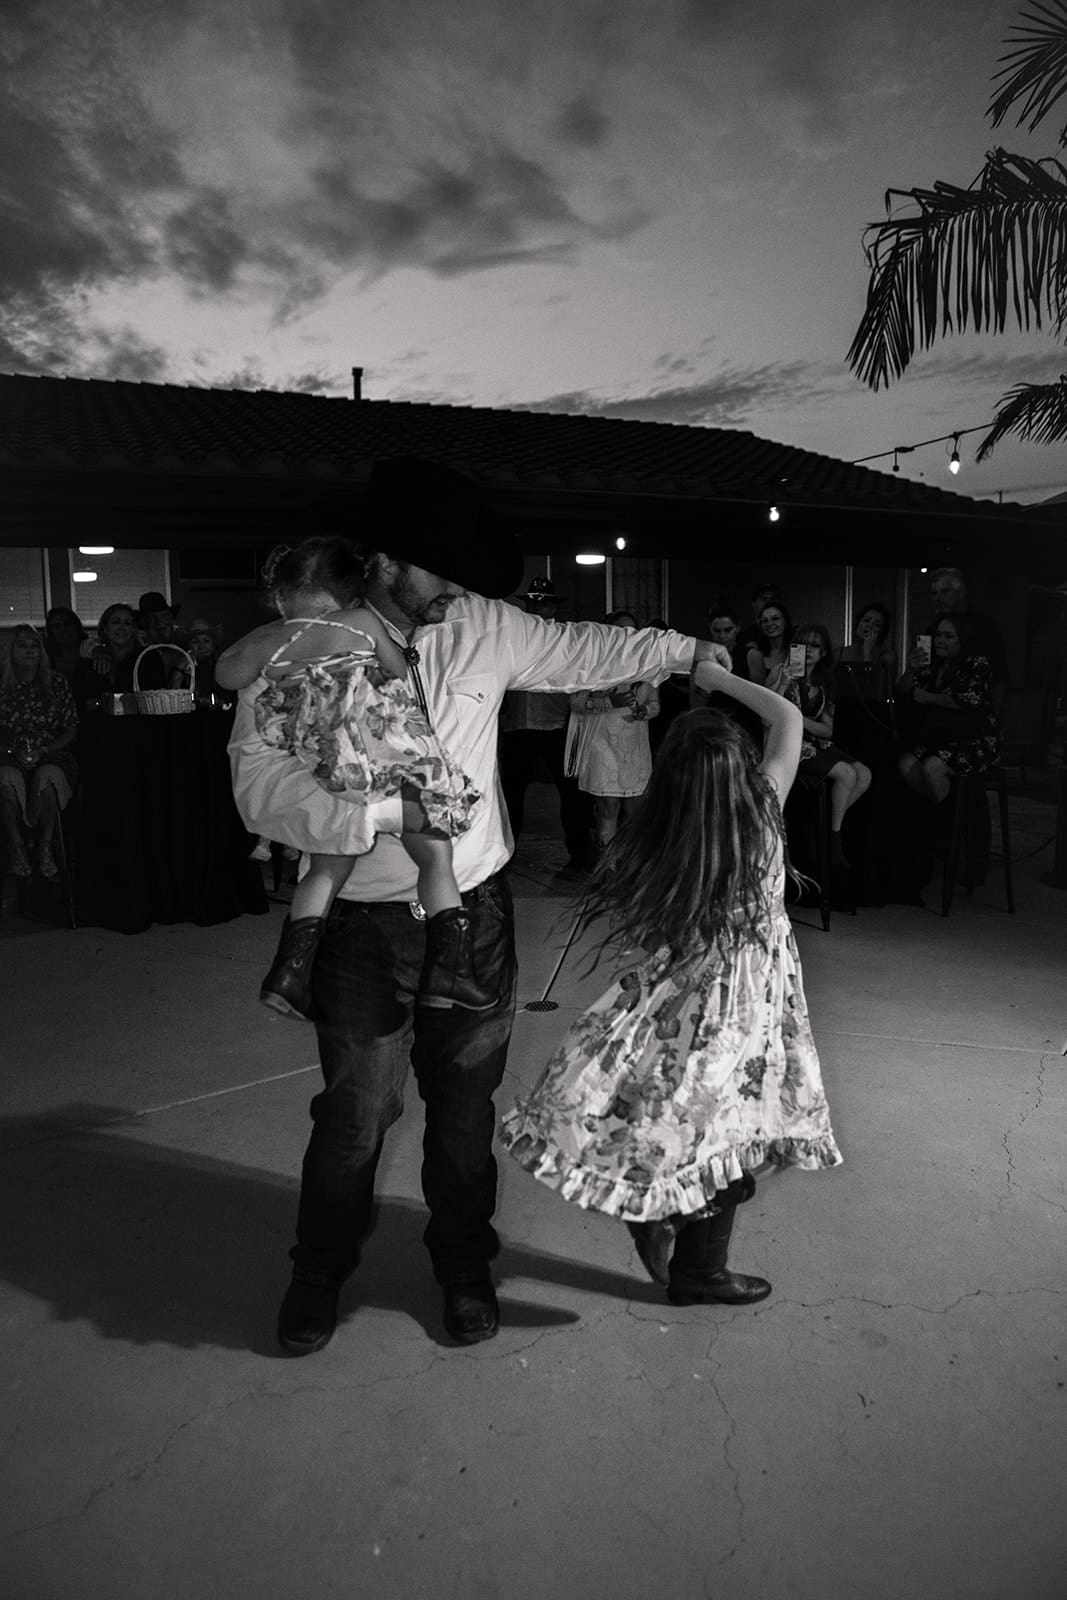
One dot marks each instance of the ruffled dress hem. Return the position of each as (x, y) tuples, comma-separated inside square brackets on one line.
[(680, 1193)]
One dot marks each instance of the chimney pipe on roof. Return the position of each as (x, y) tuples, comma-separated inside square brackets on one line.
[(357, 383)]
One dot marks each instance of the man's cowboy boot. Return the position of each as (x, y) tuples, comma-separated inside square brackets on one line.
[(448, 977), (287, 986)]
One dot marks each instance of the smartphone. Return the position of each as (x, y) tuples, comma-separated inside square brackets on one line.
[(925, 644), (798, 660)]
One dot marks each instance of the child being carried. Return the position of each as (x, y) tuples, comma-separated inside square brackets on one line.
[(337, 698)]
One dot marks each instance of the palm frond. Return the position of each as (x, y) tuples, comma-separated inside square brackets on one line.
[(1035, 71), (964, 260), (1036, 411)]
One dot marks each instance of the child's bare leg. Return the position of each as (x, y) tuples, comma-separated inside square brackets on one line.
[(448, 975), (320, 885), (432, 854), (287, 986)]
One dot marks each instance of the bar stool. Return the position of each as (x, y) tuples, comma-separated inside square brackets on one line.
[(819, 791), (965, 793)]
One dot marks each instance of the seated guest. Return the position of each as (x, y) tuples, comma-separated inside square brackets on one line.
[(948, 587), (38, 724), (954, 731), (64, 635), (203, 643), (110, 670), (724, 627), (156, 617), (763, 594), (767, 652), (820, 757), (867, 668), (724, 624)]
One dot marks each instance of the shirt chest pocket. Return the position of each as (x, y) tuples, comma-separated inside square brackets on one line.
[(471, 702)]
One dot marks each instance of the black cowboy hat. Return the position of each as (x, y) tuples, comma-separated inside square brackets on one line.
[(154, 601), (428, 514), (542, 590)]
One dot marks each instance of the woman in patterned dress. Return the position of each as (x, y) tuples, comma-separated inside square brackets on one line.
[(697, 1066), (335, 694), (38, 726), (955, 730)]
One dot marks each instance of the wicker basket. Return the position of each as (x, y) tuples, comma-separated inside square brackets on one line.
[(164, 702)]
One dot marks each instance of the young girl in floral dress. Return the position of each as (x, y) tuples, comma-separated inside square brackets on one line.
[(335, 695), (697, 1065)]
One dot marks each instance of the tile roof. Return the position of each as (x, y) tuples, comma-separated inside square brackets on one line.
[(91, 425)]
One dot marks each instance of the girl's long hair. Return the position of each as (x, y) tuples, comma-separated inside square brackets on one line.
[(324, 562), (692, 868), (43, 675)]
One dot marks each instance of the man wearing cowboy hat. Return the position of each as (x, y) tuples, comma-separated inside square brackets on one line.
[(157, 617), (436, 561), (533, 737)]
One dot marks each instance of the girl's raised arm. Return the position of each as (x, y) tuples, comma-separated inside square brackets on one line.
[(780, 717)]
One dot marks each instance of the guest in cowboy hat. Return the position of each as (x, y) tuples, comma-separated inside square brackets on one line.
[(157, 617), (435, 561), (533, 737)]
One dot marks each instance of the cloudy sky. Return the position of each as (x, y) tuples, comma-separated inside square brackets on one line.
[(642, 208)]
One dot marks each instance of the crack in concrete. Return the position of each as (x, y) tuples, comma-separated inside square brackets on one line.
[(131, 1475), (1038, 1098), (732, 1468), (908, 1305)]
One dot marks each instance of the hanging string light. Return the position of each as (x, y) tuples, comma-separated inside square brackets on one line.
[(899, 450)]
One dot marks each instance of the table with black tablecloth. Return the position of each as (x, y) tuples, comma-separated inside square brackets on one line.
[(159, 837)]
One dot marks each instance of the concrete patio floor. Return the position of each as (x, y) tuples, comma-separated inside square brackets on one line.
[(891, 1422)]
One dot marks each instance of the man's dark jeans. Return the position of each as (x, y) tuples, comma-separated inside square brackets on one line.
[(369, 1031)]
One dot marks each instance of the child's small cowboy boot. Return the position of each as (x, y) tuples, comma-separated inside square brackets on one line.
[(287, 986), (448, 977)]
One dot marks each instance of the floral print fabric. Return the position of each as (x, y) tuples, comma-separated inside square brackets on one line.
[(680, 1078), (363, 736), (971, 687), (30, 714)]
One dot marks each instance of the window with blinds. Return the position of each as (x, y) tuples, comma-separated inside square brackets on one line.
[(124, 576), (23, 587)]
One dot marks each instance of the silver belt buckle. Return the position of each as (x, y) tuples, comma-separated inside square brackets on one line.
[(417, 909)]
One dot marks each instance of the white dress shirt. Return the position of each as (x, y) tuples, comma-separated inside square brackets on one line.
[(466, 663)]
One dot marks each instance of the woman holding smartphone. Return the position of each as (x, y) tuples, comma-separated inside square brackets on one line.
[(954, 731)]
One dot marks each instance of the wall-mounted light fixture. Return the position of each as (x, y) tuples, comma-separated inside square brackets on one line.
[(620, 543), (590, 558), (96, 549), (83, 576)]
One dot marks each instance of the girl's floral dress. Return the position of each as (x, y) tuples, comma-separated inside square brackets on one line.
[(363, 735), (679, 1079)]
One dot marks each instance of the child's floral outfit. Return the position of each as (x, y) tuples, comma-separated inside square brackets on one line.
[(363, 735), (679, 1079)]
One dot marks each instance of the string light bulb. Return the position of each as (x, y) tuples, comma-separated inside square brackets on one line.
[(774, 514), (954, 458)]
